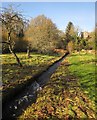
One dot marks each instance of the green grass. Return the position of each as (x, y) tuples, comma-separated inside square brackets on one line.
[(64, 96), (83, 67), (61, 99), (13, 75)]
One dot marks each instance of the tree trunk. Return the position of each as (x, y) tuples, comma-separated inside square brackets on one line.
[(11, 50), (28, 52)]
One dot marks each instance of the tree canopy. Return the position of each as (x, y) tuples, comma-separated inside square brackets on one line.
[(42, 33)]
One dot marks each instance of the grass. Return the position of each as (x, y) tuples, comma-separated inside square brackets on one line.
[(13, 75), (66, 94), (83, 67), (61, 99)]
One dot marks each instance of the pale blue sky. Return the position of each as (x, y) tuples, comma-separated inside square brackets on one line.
[(82, 14)]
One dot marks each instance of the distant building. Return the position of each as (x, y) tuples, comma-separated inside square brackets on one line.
[(85, 34)]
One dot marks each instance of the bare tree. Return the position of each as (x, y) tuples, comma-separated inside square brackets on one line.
[(14, 23)]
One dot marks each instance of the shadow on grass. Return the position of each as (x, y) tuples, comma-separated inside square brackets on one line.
[(19, 105), (14, 105)]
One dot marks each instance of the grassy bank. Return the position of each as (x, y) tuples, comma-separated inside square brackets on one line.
[(61, 99), (66, 94), (83, 67)]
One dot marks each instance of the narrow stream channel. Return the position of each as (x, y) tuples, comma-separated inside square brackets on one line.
[(29, 95)]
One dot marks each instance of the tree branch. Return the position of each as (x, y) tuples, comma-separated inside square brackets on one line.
[(5, 42)]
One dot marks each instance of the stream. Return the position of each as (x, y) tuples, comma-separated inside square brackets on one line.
[(28, 96)]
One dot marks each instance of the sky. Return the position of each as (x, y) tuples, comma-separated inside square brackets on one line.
[(81, 14)]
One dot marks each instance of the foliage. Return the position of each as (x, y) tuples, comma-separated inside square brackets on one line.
[(70, 46), (92, 40), (70, 34), (87, 43), (4, 38), (78, 44), (12, 22), (42, 34), (61, 44), (95, 37), (19, 43), (13, 25)]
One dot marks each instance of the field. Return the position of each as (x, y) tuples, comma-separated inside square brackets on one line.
[(70, 93), (14, 77), (83, 67)]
